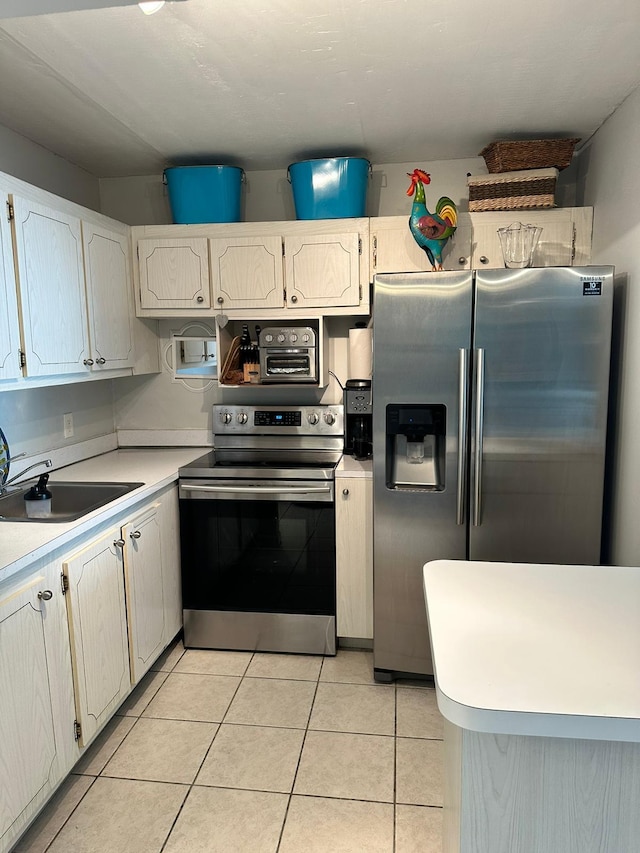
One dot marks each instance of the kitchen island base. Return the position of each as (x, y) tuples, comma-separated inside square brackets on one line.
[(506, 793)]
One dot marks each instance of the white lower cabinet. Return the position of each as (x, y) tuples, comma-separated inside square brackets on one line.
[(97, 631), (142, 551), (124, 585), (169, 513), (37, 746), (77, 631), (354, 557)]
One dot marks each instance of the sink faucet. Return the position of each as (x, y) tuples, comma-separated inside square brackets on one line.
[(46, 462)]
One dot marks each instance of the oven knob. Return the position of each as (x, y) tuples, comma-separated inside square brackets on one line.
[(293, 338), (313, 418), (281, 338), (306, 338), (242, 418), (226, 417), (329, 418), (268, 338)]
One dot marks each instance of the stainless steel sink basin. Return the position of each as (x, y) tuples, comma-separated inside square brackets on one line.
[(69, 501)]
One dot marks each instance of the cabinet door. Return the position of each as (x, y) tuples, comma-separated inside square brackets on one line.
[(98, 631), (322, 271), (109, 295), (174, 273), (354, 557), (36, 698), (393, 248), (9, 326), (144, 584), (52, 289), (171, 579), (246, 272), (554, 249)]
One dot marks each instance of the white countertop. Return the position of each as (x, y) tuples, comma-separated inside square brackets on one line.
[(540, 650), (23, 542)]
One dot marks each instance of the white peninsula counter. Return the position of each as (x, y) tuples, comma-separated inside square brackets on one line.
[(537, 672)]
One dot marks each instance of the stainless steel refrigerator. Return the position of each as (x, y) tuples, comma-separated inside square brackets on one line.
[(489, 425)]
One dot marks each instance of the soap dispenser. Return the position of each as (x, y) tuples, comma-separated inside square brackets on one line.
[(37, 500)]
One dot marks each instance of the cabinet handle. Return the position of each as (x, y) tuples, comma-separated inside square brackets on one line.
[(88, 362), (345, 492), (294, 298), (220, 300), (484, 259), (135, 534), (462, 260), (45, 595), (200, 299), (119, 543), (101, 361)]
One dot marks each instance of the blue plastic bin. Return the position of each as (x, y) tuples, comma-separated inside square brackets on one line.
[(329, 189), (204, 193)]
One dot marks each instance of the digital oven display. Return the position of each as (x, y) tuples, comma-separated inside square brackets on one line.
[(278, 418)]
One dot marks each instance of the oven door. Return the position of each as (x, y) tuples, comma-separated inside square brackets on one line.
[(288, 365), (258, 564)]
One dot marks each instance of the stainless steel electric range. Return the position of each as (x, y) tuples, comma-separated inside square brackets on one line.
[(257, 530)]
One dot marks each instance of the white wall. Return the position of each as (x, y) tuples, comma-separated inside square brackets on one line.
[(267, 196), (32, 163), (610, 181), (148, 403), (32, 419)]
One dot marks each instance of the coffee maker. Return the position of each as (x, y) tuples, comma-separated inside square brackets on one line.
[(358, 435)]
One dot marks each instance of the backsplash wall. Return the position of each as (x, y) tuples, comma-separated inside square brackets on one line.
[(149, 404), (32, 419)]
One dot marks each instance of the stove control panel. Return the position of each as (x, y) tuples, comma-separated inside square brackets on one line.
[(271, 420)]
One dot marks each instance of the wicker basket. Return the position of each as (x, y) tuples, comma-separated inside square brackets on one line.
[(513, 190), (528, 154)]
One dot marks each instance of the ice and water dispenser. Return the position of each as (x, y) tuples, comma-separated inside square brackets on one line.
[(415, 446)]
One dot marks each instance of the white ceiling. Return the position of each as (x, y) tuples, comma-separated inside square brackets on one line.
[(263, 83)]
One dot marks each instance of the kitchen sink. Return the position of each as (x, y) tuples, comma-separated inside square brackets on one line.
[(69, 501)]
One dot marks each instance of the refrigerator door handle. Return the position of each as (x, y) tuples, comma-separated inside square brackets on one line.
[(463, 396), (479, 425)]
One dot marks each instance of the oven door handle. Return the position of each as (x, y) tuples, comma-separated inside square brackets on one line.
[(259, 490)]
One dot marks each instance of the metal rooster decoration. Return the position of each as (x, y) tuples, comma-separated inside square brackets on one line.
[(431, 231)]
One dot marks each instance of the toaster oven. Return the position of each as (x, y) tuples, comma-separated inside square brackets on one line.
[(288, 354)]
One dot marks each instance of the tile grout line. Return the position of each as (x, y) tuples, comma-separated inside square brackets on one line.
[(395, 766), (68, 818), (192, 785), (245, 675), (295, 775)]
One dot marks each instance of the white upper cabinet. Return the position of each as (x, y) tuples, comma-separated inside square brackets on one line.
[(10, 361), (565, 240), (253, 269), (393, 248), (246, 272), (174, 274), (109, 297), (66, 298), (51, 287), (322, 271)]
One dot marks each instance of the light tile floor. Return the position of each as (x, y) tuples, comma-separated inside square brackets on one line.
[(256, 753)]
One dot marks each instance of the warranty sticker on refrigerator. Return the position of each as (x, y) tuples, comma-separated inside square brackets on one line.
[(591, 286)]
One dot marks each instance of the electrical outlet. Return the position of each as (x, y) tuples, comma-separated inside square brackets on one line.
[(68, 425)]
